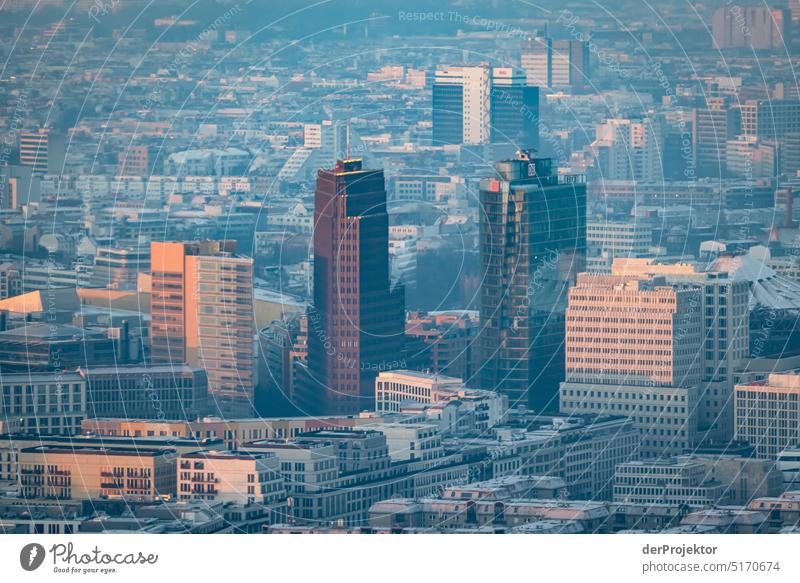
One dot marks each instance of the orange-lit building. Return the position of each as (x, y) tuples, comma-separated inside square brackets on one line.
[(202, 315)]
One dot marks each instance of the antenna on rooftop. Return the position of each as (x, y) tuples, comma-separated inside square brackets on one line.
[(347, 132)]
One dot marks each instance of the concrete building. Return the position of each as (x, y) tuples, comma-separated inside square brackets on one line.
[(145, 392), (43, 403), (461, 105), (632, 349), (607, 240), (411, 441), (64, 472), (628, 149), (556, 63), (119, 267), (457, 409), (393, 388), (770, 119), (766, 414), (202, 315), (674, 482), (713, 123), (755, 27), (226, 476), (726, 323)]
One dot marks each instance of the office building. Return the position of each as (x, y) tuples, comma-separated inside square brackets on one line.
[(770, 119), (174, 391), (726, 323), (513, 110), (54, 348), (119, 267), (355, 327), (556, 63), (45, 403), (674, 482), (755, 27), (451, 339), (767, 414), (633, 348), (202, 315), (629, 149), (609, 239), (461, 105), (532, 244), (33, 150), (713, 123)]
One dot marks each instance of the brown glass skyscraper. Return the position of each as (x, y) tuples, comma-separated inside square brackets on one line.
[(356, 325), (532, 245)]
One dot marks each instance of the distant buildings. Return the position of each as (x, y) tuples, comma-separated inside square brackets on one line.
[(41, 151), (629, 149), (713, 123), (202, 315), (770, 119), (556, 63), (741, 26), (461, 105), (609, 239), (355, 328), (532, 244), (479, 105)]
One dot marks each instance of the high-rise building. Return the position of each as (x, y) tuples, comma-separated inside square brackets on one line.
[(556, 63), (478, 105), (752, 27), (713, 123), (202, 315), (632, 348), (532, 245), (461, 105), (629, 149), (514, 110), (33, 150), (770, 119), (356, 325), (725, 310)]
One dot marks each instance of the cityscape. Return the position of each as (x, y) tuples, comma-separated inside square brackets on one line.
[(374, 267)]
